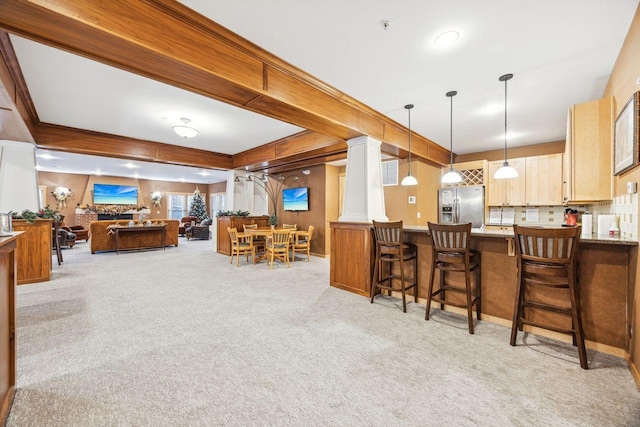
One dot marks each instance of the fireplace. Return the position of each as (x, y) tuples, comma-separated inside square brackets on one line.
[(102, 217)]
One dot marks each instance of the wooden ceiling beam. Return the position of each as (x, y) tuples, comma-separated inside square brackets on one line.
[(61, 138), (166, 41)]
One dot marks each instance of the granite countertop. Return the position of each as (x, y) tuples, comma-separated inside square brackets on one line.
[(508, 232)]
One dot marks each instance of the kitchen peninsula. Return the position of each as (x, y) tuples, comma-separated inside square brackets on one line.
[(605, 266)]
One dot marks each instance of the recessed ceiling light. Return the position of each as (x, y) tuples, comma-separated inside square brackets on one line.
[(46, 156), (203, 173), (130, 165), (98, 172), (38, 167), (447, 38)]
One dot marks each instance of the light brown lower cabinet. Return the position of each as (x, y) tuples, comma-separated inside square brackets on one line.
[(33, 251), (8, 278)]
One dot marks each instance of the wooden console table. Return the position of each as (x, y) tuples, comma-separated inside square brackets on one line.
[(151, 228)]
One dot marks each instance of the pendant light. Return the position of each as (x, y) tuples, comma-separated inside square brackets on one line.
[(409, 179), (451, 177), (505, 170)]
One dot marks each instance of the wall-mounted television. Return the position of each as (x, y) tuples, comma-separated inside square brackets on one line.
[(108, 194), (296, 199)]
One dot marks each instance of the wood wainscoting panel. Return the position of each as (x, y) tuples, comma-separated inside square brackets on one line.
[(34, 250), (352, 256)]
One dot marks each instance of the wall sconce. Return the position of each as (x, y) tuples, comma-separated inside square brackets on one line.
[(61, 194), (156, 198)]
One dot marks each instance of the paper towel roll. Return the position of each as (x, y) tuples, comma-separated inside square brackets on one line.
[(587, 225)]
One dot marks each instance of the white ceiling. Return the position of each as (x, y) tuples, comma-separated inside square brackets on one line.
[(560, 52)]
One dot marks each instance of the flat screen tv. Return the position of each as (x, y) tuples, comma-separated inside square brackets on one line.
[(107, 194), (296, 199)]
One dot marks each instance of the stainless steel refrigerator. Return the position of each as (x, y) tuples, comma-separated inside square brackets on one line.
[(458, 205)]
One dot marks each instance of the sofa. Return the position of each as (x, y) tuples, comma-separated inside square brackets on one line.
[(102, 240)]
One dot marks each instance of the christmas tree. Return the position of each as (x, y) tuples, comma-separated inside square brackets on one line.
[(198, 207)]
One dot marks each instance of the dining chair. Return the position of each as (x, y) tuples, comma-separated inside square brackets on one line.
[(278, 246), (258, 241), (302, 243), (241, 244)]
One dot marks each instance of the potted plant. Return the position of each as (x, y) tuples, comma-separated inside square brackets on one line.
[(273, 220)]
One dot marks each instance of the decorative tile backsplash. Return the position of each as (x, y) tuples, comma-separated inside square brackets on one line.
[(624, 206)]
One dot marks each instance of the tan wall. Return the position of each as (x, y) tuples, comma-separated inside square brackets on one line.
[(317, 183), (622, 85), (331, 212), (82, 191), (396, 197)]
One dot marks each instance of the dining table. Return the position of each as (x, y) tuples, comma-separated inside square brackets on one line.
[(267, 232)]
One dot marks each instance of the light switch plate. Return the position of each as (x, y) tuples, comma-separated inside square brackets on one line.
[(632, 187), (412, 200)]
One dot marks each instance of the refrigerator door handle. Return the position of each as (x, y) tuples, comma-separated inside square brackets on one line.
[(456, 220)]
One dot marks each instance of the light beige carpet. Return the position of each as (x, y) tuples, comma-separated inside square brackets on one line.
[(180, 337)]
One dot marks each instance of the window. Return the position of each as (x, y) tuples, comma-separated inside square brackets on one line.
[(42, 196), (178, 205), (218, 203), (390, 172)]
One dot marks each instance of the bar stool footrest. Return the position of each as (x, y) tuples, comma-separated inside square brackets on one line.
[(544, 326)]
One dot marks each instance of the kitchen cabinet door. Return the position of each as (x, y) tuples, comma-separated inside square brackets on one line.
[(544, 180), (507, 192), (588, 152)]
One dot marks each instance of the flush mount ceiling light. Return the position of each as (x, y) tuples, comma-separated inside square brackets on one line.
[(447, 38), (409, 179), (505, 171), (184, 130), (451, 177)]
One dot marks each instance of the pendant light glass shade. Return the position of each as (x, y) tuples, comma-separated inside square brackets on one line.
[(409, 180), (451, 177), (505, 170)]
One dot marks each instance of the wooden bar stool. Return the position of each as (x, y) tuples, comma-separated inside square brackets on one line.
[(546, 259), (391, 250), (452, 254)]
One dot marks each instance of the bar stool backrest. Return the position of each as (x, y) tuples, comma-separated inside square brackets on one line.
[(388, 234), (450, 237), (547, 245)]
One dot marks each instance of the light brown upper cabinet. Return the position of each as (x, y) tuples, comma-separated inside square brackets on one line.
[(506, 192), (587, 163), (544, 180)]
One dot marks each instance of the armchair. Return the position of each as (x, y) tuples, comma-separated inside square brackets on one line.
[(80, 232), (66, 238), (199, 231), (185, 222)]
